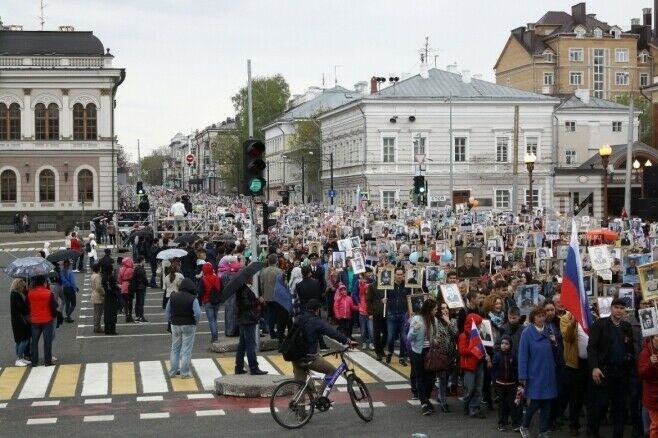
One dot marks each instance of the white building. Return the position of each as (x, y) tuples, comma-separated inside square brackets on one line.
[(57, 143), (376, 139)]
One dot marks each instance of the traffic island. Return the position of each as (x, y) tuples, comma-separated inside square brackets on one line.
[(230, 345), (246, 385)]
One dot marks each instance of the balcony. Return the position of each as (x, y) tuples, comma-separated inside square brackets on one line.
[(55, 62)]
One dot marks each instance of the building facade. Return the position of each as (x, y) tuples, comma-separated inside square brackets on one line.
[(381, 141), (57, 143), (562, 52), (206, 145)]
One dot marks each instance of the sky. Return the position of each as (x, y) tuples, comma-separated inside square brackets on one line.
[(184, 59)]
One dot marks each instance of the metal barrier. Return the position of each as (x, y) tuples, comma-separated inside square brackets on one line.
[(46, 227), (124, 221)]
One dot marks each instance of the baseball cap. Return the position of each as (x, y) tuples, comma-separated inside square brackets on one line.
[(618, 302)]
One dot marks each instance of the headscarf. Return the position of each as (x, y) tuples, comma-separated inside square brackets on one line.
[(295, 277)]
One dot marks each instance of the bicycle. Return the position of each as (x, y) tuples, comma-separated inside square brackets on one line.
[(298, 400)]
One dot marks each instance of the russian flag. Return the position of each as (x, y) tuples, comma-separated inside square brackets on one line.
[(573, 295), (475, 344)]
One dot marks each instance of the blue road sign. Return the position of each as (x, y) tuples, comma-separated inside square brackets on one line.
[(332, 193)]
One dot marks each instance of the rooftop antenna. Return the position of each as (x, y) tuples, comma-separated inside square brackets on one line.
[(425, 52), (322, 79), (41, 16), (336, 74)]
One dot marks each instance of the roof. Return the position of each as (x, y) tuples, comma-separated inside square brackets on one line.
[(574, 102), (619, 154), (49, 43), (329, 99), (444, 84)]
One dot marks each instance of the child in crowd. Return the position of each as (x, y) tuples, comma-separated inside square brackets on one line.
[(506, 382)]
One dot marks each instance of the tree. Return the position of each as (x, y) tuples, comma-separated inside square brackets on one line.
[(642, 108), (306, 142), (152, 166), (123, 159), (228, 152)]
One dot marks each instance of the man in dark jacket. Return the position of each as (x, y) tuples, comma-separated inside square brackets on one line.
[(611, 356), (396, 309), (309, 288), (375, 305), (248, 317), (183, 312), (111, 302), (314, 329), (138, 283)]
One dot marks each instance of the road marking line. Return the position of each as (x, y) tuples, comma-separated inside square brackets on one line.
[(95, 380), (414, 402), (283, 365), (9, 380), (98, 401), (398, 386), (226, 364), (95, 418), (199, 396), (265, 365), (129, 336), (264, 410), (37, 382), (123, 378), (207, 372), (36, 421), (153, 415), (210, 413), (45, 403), (395, 365), (152, 376), (149, 398), (378, 404), (181, 385), (380, 370), (3, 405)]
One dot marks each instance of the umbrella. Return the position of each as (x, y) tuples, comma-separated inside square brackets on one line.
[(604, 233), (27, 267), (186, 238), (171, 254), (226, 238), (63, 254), (248, 271)]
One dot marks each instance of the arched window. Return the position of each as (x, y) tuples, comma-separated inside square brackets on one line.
[(84, 122), (10, 122), (8, 186), (85, 186), (46, 186), (46, 122)]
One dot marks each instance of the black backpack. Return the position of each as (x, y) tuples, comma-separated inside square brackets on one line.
[(294, 346), (215, 295), (88, 246)]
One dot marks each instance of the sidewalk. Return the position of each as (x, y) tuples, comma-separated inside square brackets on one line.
[(34, 238)]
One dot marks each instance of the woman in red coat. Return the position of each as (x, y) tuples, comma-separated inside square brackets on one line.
[(648, 371)]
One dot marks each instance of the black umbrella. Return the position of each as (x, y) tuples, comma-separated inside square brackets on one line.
[(229, 215), (236, 283), (187, 238), (63, 254), (226, 238)]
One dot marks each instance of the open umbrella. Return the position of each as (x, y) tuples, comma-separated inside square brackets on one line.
[(63, 254), (607, 235), (226, 238), (171, 254), (248, 271), (28, 267), (187, 238)]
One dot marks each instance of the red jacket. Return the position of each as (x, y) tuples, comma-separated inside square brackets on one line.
[(126, 272), (343, 303), (468, 359), (209, 278), (648, 372), (41, 304), (363, 291), (75, 244)]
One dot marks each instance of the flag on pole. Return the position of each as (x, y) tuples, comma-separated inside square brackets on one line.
[(475, 344), (573, 297)]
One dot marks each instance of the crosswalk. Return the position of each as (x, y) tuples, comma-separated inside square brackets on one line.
[(101, 381)]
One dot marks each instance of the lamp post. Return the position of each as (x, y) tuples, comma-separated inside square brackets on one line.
[(604, 152), (530, 164)]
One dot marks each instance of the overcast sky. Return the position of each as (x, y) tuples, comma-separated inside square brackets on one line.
[(184, 59)]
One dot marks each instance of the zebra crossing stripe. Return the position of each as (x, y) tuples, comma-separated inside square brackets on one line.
[(37, 382), (152, 377), (207, 372), (95, 381)]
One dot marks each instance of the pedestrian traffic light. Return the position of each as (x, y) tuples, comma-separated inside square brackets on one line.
[(254, 166), (139, 188), (419, 185), (267, 222)]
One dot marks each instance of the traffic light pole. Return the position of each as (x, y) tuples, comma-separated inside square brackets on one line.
[(254, 243)]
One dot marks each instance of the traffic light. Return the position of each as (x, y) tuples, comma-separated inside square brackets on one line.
[(267, 222), (254, 166), (139, 188), (419, 185)]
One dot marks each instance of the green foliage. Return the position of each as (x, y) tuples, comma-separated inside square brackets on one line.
[(152, 166), (227, 150), (307, 138), (643, 108)]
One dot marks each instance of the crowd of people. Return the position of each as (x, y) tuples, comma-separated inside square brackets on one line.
[(471, 301)]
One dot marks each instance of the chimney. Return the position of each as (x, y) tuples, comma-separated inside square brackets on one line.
[(452, 68), (360, 87), (583, 94), (519, 31), (531, 26), (635, 21), (579, 13), (373, 84), (66, 29), (646, 15), (466, 76)]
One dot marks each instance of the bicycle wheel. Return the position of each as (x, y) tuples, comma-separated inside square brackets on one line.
[(291, 405), (360, 397)]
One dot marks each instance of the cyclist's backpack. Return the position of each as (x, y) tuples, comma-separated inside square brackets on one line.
[(294, 346), (88, 247)]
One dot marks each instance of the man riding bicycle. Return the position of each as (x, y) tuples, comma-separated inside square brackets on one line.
[(314, 328)]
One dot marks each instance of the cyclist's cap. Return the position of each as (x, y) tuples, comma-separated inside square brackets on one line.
[(313, 304)]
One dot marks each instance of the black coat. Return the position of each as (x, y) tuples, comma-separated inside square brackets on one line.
[(20, 313), (600, 337), (247, 305), (139, 282), (307, 289)]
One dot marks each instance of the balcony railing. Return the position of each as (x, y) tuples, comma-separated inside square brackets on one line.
[(52, 62)]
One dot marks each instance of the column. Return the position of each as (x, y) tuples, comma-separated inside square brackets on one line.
[(66, 124), (103, 114), (27, 119)]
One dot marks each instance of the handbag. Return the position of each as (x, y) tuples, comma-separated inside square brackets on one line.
[(435, 359)]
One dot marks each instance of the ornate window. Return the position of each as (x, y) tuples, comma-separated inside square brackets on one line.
[(10, 122), (8, 186), (46, 122), (84, 122), (46, 186), (85, 186)]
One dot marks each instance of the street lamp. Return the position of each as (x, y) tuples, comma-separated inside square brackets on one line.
[(605, 151), (530, 159)]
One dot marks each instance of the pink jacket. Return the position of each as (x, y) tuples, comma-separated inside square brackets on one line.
[(125, 275), (343, 304)]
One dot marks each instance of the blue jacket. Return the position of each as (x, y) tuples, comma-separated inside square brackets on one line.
[(352, 288), (68, 279), (537, 364), (397, 299), (504, 367)]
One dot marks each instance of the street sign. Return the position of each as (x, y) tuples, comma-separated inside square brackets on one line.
[(332, 193), (189, 158), (438, 198)]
